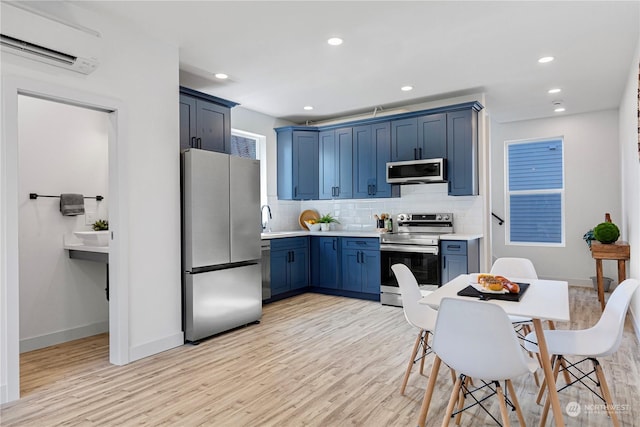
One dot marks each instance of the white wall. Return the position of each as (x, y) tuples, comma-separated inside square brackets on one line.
[(62, 149), (630, 177), (592, 188), (142, 74)]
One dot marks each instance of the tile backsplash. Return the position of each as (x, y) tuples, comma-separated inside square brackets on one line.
[(358, 214)]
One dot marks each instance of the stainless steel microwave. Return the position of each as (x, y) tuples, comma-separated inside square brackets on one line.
[(417, 171)]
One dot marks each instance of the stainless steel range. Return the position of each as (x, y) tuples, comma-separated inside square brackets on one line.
[(415, 243)]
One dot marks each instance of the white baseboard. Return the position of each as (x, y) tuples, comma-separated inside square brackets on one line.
[(29, 344), (155, 347)]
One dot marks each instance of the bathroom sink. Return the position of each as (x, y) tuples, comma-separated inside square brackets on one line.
[(93, 238)]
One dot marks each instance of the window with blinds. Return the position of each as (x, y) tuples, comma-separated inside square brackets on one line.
[(535, 192)]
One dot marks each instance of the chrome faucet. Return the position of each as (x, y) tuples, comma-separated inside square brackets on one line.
[(266, 223)]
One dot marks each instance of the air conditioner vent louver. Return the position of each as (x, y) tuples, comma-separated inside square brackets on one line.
[(35, 49)]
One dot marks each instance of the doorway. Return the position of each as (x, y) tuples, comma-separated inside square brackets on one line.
[(61, 149), (12, 88)]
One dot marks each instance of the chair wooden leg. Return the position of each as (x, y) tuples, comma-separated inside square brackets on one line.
[(565, 372), (453, 375), (428, 393), (452, 402), (543, 387), (411, 361), (503, 406), (606, 394), (424, 351), (547, 403), (514, 399)]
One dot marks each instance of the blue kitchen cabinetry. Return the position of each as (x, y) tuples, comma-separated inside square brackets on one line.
[(452, 135), (336, 157), (449, 132), (297, 164), (462, 153), (361, 265), (325, 262), (459, 257), (205, 121), (289, 264), (417, 138), (371, 152)]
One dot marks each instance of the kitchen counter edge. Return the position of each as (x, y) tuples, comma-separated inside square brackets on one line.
[(355, 233)]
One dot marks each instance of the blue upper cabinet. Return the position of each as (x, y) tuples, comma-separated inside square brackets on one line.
[(297, 164), (371, 152), (205, 121), (432, 136), (404, 139), (462, 152), (416, 138), (335, 151)]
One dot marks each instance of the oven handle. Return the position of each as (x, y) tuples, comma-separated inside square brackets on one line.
[(410, 249)]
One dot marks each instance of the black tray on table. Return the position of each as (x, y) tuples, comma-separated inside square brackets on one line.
[(470, 291)]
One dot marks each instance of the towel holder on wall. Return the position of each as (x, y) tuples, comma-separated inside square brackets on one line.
[(34, 196)]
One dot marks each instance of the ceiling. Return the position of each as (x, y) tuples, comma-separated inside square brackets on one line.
[(278, 60)]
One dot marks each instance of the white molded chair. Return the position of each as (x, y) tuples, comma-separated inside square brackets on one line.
[(418, 315), (602, 339), (477, 339)]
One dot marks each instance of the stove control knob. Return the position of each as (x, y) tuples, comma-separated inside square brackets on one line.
[(402, 217), (439, 217), (446, 218)]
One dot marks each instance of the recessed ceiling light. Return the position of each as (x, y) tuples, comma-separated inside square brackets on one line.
[(335, 41), (221, 76), (308, 107), (559, 109), (545, 59), (555, 90), (406, 88)]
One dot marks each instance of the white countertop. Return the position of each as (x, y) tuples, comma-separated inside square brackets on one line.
[(354, 233)]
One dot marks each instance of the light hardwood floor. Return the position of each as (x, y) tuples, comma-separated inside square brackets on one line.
[(314, 360)]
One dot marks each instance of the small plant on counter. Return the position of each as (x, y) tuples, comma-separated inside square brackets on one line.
[(327, 219), (100, 225)]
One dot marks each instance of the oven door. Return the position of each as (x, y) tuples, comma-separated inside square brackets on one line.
[(423, 261)]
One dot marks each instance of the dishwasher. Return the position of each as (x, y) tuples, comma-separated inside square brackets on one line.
[(266, 269)]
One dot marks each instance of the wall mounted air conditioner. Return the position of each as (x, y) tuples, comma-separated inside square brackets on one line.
[(44, 38)]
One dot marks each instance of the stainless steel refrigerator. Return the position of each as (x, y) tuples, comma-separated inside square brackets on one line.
[(222, 286)]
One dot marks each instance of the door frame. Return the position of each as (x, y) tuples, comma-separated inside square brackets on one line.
[(12, 86)]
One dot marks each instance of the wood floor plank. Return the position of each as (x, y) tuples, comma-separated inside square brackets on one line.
[(314, 360)]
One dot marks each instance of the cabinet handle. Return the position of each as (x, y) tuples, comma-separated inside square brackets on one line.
[(453, 246), (415, 154), (444, 262), (337, 191), (295, 191), (373, 190), (419, 153), (334, 244), (361, 257), (194, 142), (293, 256), (199, 142), (333, 191)]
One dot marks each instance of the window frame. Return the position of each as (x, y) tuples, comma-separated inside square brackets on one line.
[(261, 154), (508, 193)]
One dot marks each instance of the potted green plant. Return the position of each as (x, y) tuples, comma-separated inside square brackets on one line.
[(325, 221), (100, 225)]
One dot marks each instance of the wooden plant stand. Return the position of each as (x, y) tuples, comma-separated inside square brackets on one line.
[(619, 251)]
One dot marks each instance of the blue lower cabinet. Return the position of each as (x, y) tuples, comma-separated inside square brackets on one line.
[(459, 257), (289, 264), (325, 261), (361, 265)]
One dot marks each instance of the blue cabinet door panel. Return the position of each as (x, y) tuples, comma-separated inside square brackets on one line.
[(344, 166), (370, 264), (364, 162), (432, 136), (327, 168), (298, 268), (404, 139), (351, 270), (279, 272), (381, 134), (305, 165), (462, 156)]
